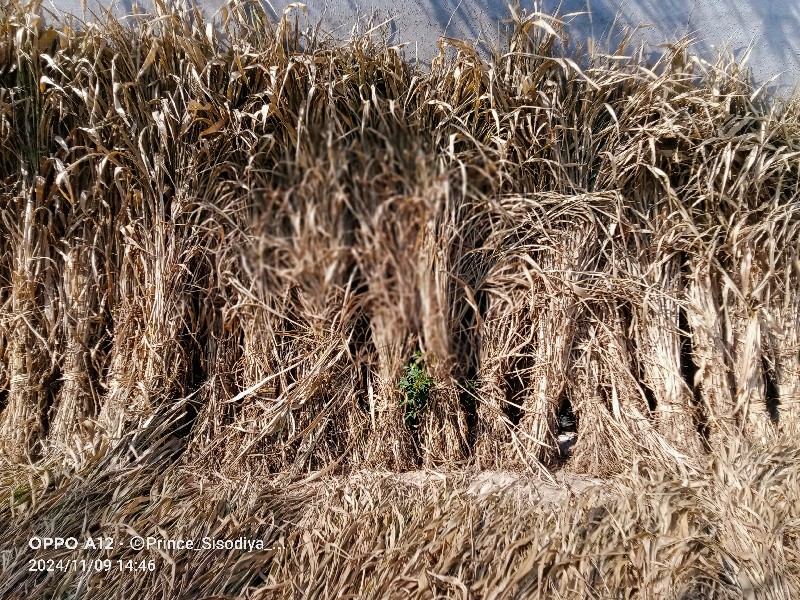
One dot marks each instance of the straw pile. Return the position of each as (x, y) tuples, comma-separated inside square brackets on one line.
[(222, 245)]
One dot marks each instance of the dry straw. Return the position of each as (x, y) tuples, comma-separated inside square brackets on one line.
[(221, 244)]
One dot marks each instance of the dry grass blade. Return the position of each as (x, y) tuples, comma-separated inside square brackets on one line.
[(241, 262)]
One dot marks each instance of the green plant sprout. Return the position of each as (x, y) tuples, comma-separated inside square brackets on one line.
[(415, 385)]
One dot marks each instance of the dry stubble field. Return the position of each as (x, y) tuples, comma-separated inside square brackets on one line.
[(257, 284)]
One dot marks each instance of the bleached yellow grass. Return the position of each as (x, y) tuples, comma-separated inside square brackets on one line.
[(220, 244)]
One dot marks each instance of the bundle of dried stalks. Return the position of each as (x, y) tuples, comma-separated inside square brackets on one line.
[(250, 215)]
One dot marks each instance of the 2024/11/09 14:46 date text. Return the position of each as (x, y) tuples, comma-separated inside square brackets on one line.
[(96, 564)]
